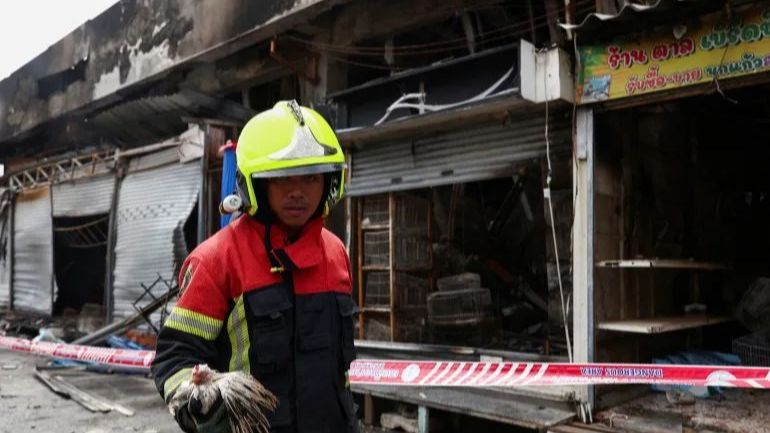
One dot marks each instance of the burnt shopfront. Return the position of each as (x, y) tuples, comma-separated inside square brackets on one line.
[(449, 234), (670, 232)]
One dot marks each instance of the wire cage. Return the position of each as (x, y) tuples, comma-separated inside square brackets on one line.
[(412, 212), (412, 290), (377, 290), (375, 210), (377, 248), (412, 251), (459, 307), (753, 349), (411, 331), (376, 330)]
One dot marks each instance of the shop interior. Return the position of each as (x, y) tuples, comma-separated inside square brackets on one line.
[(469, 265), (682, 207)]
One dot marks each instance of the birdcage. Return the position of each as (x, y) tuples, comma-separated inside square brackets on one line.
[(412, 212), (377, 248), (459, 307), (376, 211), (377, 289), (412, 290), (753, 349), (376, 330), (412, 250)]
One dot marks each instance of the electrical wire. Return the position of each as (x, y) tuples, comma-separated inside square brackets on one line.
[(432, 47), (523, 28), (553, 221)]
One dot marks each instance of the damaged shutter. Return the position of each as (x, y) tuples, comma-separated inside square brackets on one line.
[(33, 252), (6, 207), (154, 202), (462, 155), (87, 196)]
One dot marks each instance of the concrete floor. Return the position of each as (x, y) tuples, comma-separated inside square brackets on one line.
[(26, 405)]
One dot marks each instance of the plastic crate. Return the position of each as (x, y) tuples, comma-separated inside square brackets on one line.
[(753, 349)]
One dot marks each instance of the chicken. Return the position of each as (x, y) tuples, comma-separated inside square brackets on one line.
[(245, 399)]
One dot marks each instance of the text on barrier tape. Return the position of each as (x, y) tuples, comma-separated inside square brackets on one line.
[(458, 374)]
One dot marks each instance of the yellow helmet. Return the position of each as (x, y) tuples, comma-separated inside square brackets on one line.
[(288, 140)]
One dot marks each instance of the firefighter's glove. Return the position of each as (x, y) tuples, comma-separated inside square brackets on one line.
[(191, 420)]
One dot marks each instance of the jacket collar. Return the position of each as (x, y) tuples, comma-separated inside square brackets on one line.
[(305, 251)]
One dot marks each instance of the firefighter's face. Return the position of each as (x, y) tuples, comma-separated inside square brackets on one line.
[(294, 199)]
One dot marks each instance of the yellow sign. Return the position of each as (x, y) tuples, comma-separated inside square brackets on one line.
[(718, 48)]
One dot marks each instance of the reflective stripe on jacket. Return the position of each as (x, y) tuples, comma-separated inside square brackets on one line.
[(292, 330)]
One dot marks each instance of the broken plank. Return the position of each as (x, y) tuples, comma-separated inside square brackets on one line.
[(89, 401)]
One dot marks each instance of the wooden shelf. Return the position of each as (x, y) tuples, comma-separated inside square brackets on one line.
[(385, 268), (659, 325), (662, 264), (371, 227), (375, 310), (368, 268)]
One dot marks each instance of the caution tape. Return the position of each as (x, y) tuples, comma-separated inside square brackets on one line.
[(458, 374), (513, 374), (99, 355)]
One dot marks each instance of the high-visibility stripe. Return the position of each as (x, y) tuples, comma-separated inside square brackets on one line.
[(173, 382), (194, 323), (238, 332)]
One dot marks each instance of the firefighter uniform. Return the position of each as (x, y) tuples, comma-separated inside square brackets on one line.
[(254, 301)]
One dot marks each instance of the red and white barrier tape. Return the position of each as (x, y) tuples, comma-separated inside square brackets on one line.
[(458, 374), (99, 355), (510, 374)]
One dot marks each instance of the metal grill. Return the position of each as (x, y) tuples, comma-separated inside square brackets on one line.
[(753, 349), (460, 307)]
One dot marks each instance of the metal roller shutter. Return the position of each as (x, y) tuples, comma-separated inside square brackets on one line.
[(33, 252), (87, 196), (463, 155), (153, 205)]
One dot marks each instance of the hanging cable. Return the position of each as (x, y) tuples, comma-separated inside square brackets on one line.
[(401, 102), (519, 28), (347, 50), (547, 196)]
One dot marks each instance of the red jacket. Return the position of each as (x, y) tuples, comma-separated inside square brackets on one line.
[(285, 317)]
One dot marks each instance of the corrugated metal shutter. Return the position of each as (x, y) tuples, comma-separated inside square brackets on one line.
[(464, 155), (153, 206), (87, 196), (6, 207), (33, 252)]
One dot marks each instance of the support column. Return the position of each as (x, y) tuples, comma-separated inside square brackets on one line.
[(583, 251)]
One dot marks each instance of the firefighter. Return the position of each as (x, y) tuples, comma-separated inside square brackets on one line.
[(270, 294)]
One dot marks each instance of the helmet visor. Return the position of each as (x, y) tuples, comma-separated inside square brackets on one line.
[(299, 171)]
